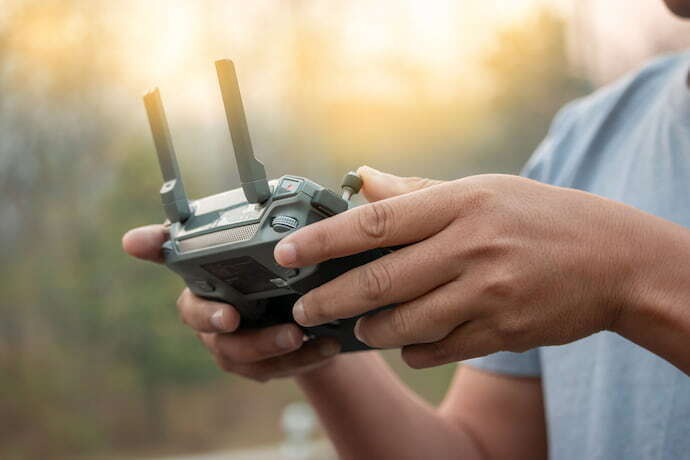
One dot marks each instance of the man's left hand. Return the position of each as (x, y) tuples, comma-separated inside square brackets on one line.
[(492, 262)]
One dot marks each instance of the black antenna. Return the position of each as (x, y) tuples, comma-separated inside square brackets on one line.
[(173, 196), (252, 172)]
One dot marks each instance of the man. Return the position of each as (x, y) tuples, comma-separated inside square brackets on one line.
[(594, 294)]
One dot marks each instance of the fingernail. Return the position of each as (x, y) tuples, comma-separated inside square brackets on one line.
[(298, 312), (285, 340), (287, 253), (217, 320), (329, 348), (356, 330)]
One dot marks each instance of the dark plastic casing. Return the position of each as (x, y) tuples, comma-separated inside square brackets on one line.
[(222, 245), (224, 252)]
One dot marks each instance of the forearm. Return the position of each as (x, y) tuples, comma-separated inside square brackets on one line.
[(369, 413), (657, 314)]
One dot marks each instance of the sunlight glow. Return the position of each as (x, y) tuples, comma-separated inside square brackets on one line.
[(437, 41), (388, 50)]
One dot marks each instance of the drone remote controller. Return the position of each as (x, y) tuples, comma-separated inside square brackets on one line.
[(222, 245)]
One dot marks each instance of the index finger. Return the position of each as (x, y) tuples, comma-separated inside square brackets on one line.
[(394, 221), (145, 242)]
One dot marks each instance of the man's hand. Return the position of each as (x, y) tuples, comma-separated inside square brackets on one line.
[(493, 262), (259, 354)]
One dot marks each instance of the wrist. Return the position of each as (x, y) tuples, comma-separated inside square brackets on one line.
[(341, 367), (655, 308), (638, 293), (318, 373), (625, 255)]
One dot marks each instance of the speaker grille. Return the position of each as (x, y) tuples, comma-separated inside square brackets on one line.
[(231, 235)]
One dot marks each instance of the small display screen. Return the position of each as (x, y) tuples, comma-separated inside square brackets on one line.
[(242, 273)]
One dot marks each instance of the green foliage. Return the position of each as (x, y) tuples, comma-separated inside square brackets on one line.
[(149, 335)]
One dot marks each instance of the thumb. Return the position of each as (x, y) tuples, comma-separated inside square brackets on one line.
[(145, 242), (377, 185)]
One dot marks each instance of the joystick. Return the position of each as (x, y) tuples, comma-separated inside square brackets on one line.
[(222, 245), (350, 185)]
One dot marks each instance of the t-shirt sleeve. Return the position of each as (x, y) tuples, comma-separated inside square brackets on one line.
[(549, 162), (542, 166), (526, 364)]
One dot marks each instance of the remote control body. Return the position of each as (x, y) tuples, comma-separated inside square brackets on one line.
[(224, 252), (222, 245)]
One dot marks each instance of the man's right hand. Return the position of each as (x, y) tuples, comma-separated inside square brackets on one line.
[(259, 354)]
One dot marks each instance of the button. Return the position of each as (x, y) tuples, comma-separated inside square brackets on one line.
[(279, 282), (283, 224), (287, 187), (328, 202), (203, 286)]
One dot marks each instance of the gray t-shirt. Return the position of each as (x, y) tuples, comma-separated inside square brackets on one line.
[(605, 397)]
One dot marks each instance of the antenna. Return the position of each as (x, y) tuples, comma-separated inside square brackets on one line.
[(252, 172), (173, 196)]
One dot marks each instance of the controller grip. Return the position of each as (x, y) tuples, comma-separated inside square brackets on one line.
[(278, 310)]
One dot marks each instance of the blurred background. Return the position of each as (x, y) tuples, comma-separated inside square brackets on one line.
[(93, 360)]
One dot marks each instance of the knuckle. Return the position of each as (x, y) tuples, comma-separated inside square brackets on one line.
[(502, 285), (488, 243), (375, 220), (407, 357), (440, 352), (498, 253), (224, 363), (509, 331), (323, 239), (315, 309), (415, 358), (400, 323), (479, 198), (375, 281)]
